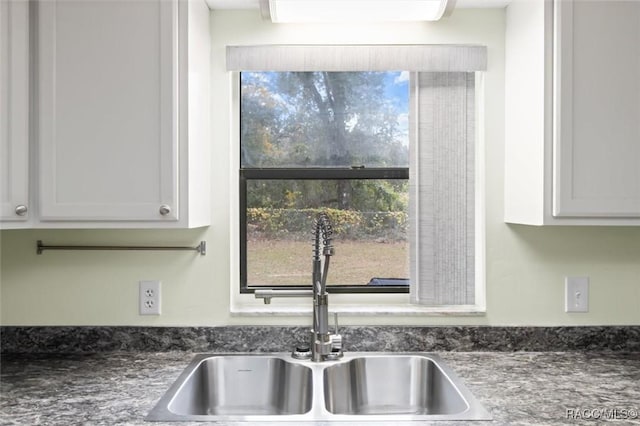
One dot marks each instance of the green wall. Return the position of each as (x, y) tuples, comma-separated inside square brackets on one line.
[(525, 266)]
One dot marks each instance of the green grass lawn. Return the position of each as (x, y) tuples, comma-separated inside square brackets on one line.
[(282, 262)]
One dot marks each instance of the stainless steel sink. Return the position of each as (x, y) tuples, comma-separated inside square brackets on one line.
[(231, 386), (358, 387), (391, 385)]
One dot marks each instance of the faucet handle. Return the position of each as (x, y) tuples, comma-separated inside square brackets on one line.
[(336, 339), (336, 343)]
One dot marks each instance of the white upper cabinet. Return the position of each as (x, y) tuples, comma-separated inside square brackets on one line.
[(119, 113), (107, 110), (597, 134), (14, 113), (573, 113)]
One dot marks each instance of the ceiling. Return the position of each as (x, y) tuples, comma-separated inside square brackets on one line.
[(253, 4)]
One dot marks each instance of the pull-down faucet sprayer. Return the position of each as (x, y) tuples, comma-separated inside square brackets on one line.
[(322, 232)]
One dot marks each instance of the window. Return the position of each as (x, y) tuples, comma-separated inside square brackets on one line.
[(324, 141), (390, 154)]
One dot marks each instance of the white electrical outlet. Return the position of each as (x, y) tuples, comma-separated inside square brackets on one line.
[(576, 294), (150, 301)]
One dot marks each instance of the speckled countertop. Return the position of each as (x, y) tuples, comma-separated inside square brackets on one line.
[(518, 388)]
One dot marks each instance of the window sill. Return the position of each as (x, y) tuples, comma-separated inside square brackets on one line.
[(354, 310)]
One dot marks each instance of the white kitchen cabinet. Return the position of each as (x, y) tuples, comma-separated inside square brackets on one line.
[(572, 136), (14, 113), (122, 113)]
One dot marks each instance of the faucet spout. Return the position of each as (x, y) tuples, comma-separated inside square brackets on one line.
[(324, 345)]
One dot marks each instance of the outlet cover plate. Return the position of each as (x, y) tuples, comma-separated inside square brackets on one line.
[(149, 297), (576, 294)]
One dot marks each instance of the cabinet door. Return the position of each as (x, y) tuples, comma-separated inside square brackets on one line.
[(107, 110), (597, 109), (14, 110)]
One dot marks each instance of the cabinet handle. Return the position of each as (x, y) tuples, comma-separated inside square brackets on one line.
[(165, 210), (21, 210)]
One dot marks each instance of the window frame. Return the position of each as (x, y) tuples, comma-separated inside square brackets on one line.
[(365, 305)]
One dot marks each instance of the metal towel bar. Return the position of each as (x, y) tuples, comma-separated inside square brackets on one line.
[(200, 248)]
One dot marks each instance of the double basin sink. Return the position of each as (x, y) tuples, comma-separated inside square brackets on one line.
[(276, 387)]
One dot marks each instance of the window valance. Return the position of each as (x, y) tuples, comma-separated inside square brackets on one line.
[(418, 58)]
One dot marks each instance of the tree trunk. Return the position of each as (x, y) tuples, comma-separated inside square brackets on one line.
[(333, 113)]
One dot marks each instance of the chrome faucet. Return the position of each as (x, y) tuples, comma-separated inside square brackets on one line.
[(324, 345)]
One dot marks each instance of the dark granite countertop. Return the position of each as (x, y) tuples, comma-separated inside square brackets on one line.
[(518, 388)]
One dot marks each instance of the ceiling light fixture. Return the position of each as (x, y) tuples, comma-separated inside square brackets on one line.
[(351, 11)]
